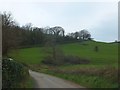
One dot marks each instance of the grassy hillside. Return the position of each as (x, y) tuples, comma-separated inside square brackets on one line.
[(107, 54), (102, 70)]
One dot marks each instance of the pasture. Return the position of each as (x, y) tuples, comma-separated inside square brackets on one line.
[(107, 53)]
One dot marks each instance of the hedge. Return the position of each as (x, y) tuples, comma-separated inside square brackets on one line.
[(13, 73)]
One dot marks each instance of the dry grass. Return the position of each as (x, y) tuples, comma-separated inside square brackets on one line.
[(107, 72)]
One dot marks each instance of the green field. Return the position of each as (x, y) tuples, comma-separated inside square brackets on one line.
[(107, 54), (28, 55), (101, 70)]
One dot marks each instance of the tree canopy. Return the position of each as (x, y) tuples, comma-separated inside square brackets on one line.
[(15, 36)]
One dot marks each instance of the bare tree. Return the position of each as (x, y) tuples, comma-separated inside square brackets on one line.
[(9, 33), (84, 35), (57, 30), (27, 26), (7, 20), (53, 34)]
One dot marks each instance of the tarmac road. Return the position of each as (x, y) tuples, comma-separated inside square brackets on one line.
[(48, 81)]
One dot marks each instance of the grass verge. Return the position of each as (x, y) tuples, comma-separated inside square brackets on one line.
[(88, 81)]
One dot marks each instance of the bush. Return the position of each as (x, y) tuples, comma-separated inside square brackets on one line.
[(56, 57), (51, 61), (65, 60), (48, 60), (75, 60), (13, 73), (96, 49)]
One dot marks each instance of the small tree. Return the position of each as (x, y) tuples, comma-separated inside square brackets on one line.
[(96, 48)]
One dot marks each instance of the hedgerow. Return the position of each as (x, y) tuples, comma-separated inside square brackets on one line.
[(13, 73)]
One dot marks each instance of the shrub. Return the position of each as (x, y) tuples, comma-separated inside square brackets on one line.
[(65, 60), (48, 60), (51, 61), (96, 49), (75, 60), (13, 73)]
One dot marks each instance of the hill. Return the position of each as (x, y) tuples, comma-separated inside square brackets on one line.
[(102, 71), (107, 53)]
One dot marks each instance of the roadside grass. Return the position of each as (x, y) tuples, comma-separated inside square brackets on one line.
[(90, 77), (29, 83), (87, 81)]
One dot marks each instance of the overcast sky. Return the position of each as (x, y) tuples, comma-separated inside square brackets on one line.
[(99, 18)]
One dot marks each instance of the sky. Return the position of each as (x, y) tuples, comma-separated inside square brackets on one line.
[(99, 18)]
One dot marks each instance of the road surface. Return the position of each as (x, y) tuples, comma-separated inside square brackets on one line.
[(48, 81)]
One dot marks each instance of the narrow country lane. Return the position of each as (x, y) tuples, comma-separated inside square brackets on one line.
[(48, 81)]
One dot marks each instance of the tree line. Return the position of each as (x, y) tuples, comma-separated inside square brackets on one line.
[(15, 36)]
